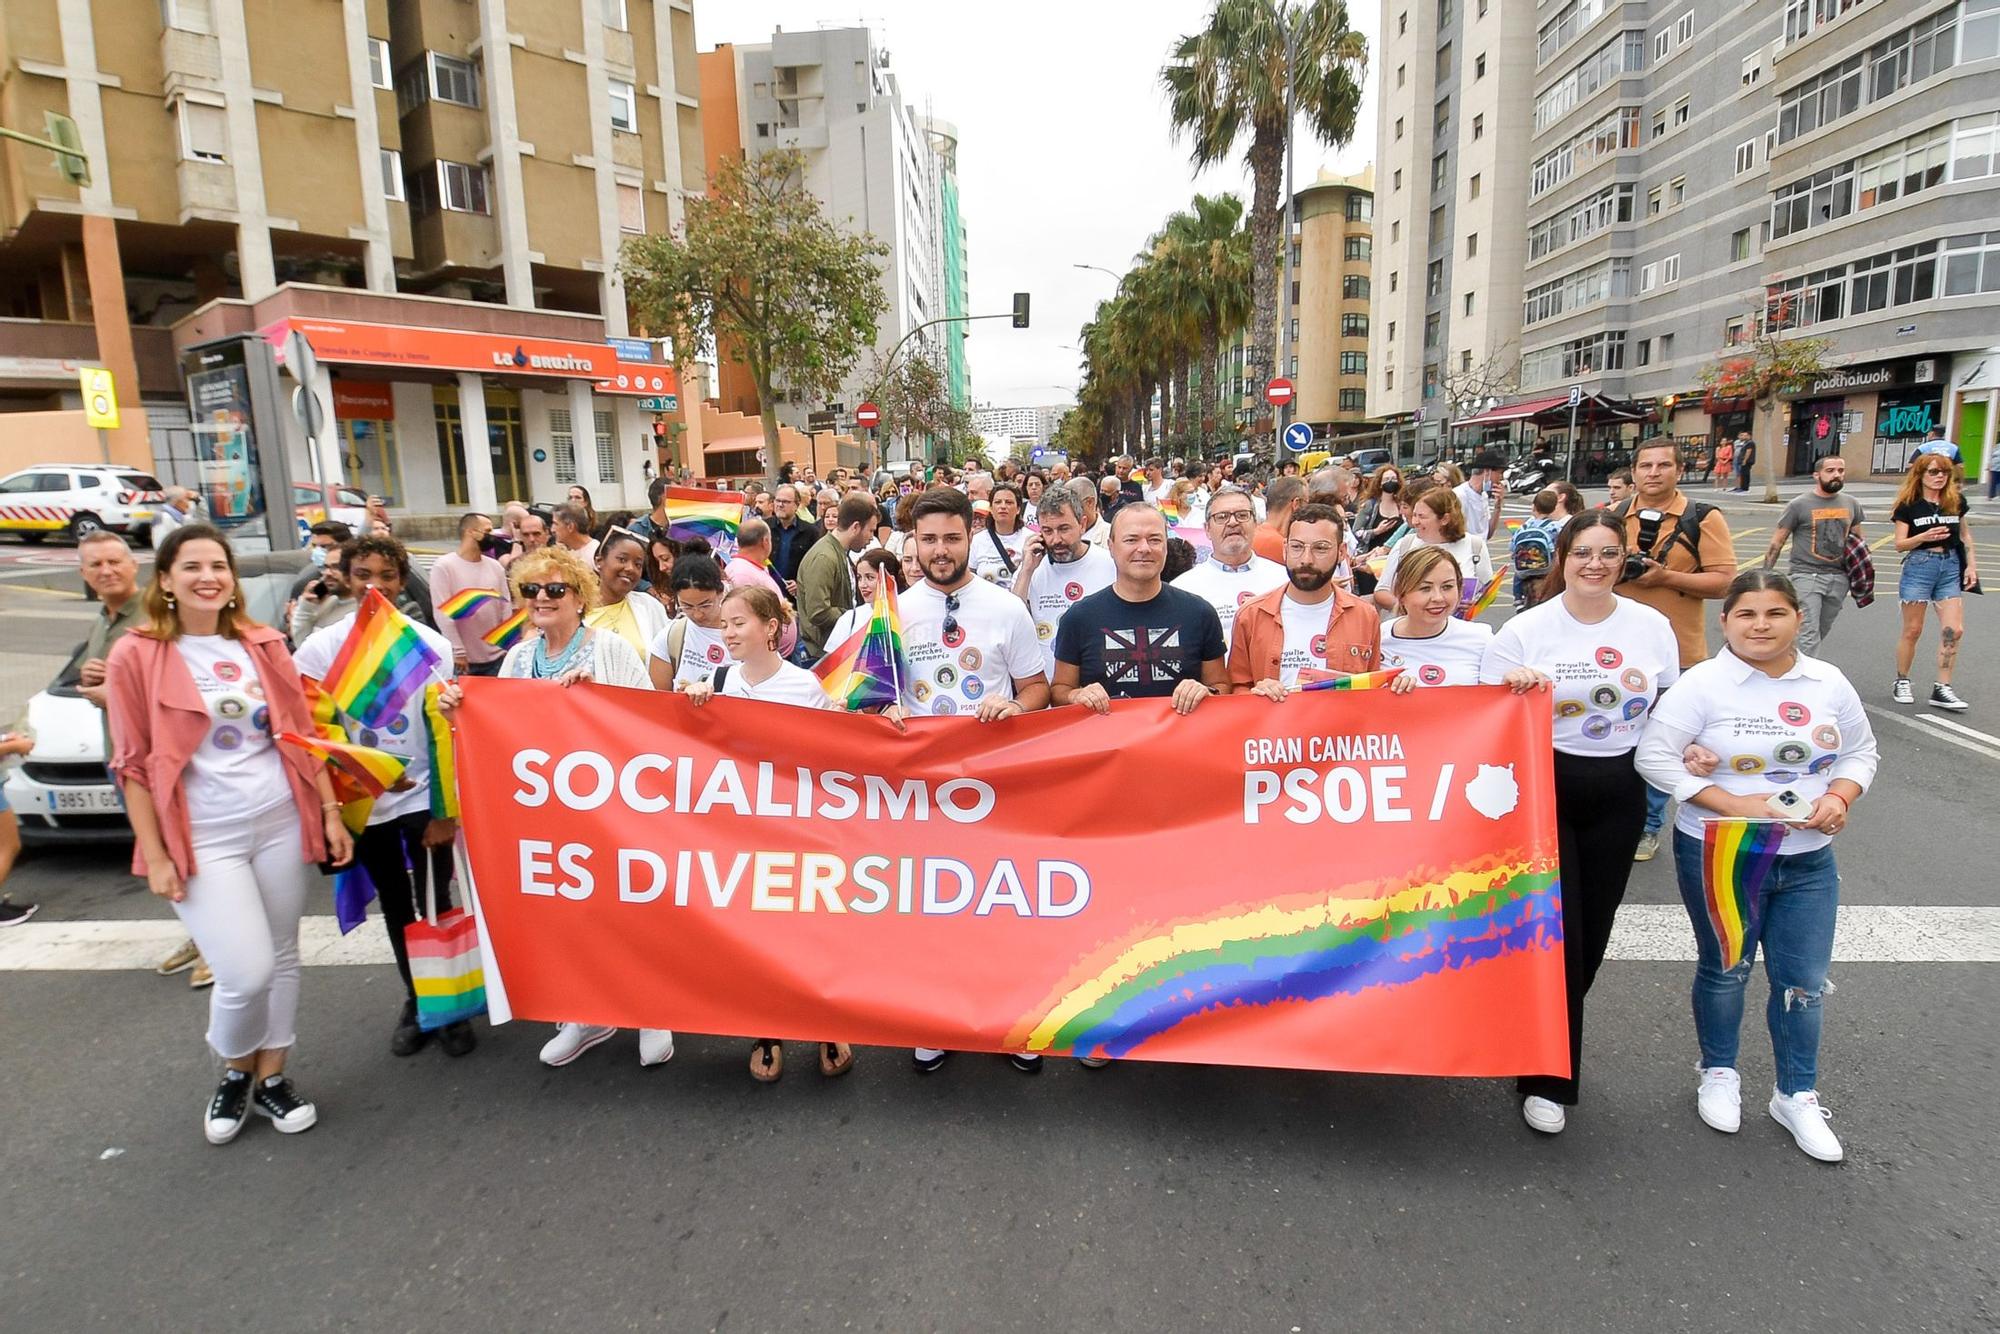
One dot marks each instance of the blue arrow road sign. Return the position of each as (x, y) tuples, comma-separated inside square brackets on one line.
[(1298, 437)]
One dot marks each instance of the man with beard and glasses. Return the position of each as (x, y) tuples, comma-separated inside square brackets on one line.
[(971, 647), (1233, 573), (1311, 621), (1819, 523), (1059, 568)]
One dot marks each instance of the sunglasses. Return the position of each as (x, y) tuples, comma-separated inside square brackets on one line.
[(557, 591), (951, 613)]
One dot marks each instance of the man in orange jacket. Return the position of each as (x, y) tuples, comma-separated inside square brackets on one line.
[(1310, 621)]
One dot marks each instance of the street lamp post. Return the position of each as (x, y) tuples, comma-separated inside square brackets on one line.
[(1284, 412)]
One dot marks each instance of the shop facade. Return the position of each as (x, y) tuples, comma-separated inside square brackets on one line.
[(1974, 405), (1872, 412)]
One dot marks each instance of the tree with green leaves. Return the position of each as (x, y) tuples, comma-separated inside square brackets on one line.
[(760, 271), (1231, 79), (1763, 370), (915, 401)]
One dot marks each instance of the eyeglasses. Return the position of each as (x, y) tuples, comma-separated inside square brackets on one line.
[(1319, 549), (1937, 472), (557, 591), (1229, 518), (1603, 555), (951, 613)]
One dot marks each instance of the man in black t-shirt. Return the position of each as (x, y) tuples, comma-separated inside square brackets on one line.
[(1140, 639)]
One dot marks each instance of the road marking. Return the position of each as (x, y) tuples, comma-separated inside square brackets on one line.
[(1962, 729), (1920, 723), (1645, 933)]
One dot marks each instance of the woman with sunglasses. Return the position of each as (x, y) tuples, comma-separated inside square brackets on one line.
[(753, 622), (556, 587), (1938, 568), (1773, 720), (633, 616), (1606, 658)]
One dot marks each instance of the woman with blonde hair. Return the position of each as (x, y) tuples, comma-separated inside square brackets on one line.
[(227, 824), (1438, 520), (1429, 642), (753, 623), (1938, 570)]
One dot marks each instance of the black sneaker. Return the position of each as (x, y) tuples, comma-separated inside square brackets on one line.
[(458, 1039), (927, 1060), (408, 1039), (229, 1108), (277, 1099), (1026, 1062), (13, 914), (1944, 697)]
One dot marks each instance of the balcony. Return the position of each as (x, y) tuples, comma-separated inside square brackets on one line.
[(801, 137), (208, 189), (190, 60)]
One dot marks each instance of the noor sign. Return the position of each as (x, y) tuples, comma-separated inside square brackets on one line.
[(1336, 882)]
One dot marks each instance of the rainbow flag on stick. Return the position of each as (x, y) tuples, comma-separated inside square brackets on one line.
[(465, 604), (382, 664), (444, 762), (508, 632), (869, 669), (369, 770), (1476, 607), (711, 515), (1314, 678), (1736, 857)]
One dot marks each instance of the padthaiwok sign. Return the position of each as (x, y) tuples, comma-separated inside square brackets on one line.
[(1338, 882)]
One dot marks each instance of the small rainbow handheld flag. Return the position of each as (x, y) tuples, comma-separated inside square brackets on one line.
[(466, 603), (370, 770), (1736, 857), (713, 515), (1476, 608), (1314, 678), (444, 764), (382, 664), (870, 668), (508, 632)]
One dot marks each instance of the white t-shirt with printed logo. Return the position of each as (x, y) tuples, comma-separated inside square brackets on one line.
[(701, 651), (788, 685), (1451, 657), (405, 736), (1606, 675), (986, 548), (991, 645), (1226, 588), (1305, 637), (236, 772), (1053, 589)]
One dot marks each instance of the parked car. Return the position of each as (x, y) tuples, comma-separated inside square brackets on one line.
[(61, 791), (77, 499), (1366, 461), (328, 500)]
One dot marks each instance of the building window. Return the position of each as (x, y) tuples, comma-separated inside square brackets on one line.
[(187, 15), (1682, 112), (1677, 191), (1479, 67), (1746, 156), (1472, 187), (1354, 363), (1360, 248), (1649, 277), (378, 64), (1606, 280), (1645, 356), (1354, 287), (1443, 63), (624, 106), (453, 80), (1360, 207), (204, 132), (1402, 23), (562, 445), (1753, 70), (1468, 303), (614, 15), (1471, 245), (1592, 355), (1606, 208), (1659, 124), (1739, 245), (631, 208), (763, 130), (1623, 54), (1389, 377), (1616, 130), (1392, 331), (1684, 30), (1666, 342), (1431, 325), (1354, 326), (1663, 42), (1670, 270), (1444, 14), (1465, 361), (1479, 126), (1399, 128), (1437, 227), (1440, 171), (1434, 278), (1395, 232), (607, 446), (1401, 72), (1396, 181), (1393, 276), (1354, 400), (1735, 332), (392, 174), (1655, 197), (1963, 150), (1568, 21), (462, 187)]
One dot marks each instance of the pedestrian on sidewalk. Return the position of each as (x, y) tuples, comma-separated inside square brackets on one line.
[(1746, 458), (1938, 568), (227, 825), (1819, 523), (1719, 471)]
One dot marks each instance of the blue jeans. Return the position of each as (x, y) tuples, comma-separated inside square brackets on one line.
[(1796, 933), (1931, 576), (1656, 809)]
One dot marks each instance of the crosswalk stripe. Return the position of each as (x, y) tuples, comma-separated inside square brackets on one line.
[(1645, 933), (1919, 723)]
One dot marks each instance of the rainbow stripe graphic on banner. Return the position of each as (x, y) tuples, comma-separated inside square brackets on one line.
[(465, 604), (1476, 608), (444, 759), (508, 632), (1312, 678), (711, 515), (1736, 856), (383, 663), (1296, 949), (368, 769), (870, 668)]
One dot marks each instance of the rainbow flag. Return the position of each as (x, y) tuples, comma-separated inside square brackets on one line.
[(508, 632), (465, 604), (1736, 856), (383, 663), (1313, 678), (326, 718), (1476, 607), (712, 515), (370, 770), (1173, 513), (356, 801), (444, 764), (870, 668)]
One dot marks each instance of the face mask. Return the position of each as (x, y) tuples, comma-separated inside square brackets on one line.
[(1834, 486), (318, 557), (1391, 485)]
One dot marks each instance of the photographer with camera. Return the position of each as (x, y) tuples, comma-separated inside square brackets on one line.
[(1681, 556)]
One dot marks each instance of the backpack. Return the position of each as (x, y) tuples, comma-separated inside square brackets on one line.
[(1687, 530), (1533, 548)]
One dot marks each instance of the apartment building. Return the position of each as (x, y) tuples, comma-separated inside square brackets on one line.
[(1451, 163), (879, 165), (433, 191)]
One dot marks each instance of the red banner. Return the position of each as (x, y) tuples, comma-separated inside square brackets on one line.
[(1338, 882)]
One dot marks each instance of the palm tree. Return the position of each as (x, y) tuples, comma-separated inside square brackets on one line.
[(1211, 240), (1230, 78)]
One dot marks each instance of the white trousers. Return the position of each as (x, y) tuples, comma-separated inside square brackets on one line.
[(242, 908)]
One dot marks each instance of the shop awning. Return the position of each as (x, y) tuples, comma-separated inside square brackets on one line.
[(1514, 412), (1553, 410)]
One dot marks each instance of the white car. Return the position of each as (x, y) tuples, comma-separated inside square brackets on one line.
[(78, 499), (61, 792)]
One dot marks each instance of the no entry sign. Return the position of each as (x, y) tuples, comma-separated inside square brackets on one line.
[(1278, 392), (868, 415)]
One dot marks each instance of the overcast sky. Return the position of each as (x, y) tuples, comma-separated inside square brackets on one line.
[(1064, 155)]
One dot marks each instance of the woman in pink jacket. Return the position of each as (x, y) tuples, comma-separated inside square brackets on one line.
[(228, 824)]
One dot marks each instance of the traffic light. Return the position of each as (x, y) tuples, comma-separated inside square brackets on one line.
[(75, 168), (1020, 310)]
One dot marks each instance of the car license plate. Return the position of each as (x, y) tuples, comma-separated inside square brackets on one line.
[(84, 801)]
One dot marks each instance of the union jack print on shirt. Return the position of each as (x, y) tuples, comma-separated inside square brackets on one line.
[(1143, 656)]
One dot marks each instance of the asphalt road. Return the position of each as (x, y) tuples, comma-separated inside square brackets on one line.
[(491, 1193)]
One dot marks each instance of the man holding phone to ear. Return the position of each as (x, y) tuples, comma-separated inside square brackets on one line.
[(1682, 557)]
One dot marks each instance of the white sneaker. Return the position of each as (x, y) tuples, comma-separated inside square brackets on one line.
[(1901, 691), (572, 1041), (1543, 1115), (656, 1046), (1807, 1120), (1720, 1099), (1649, 847)]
